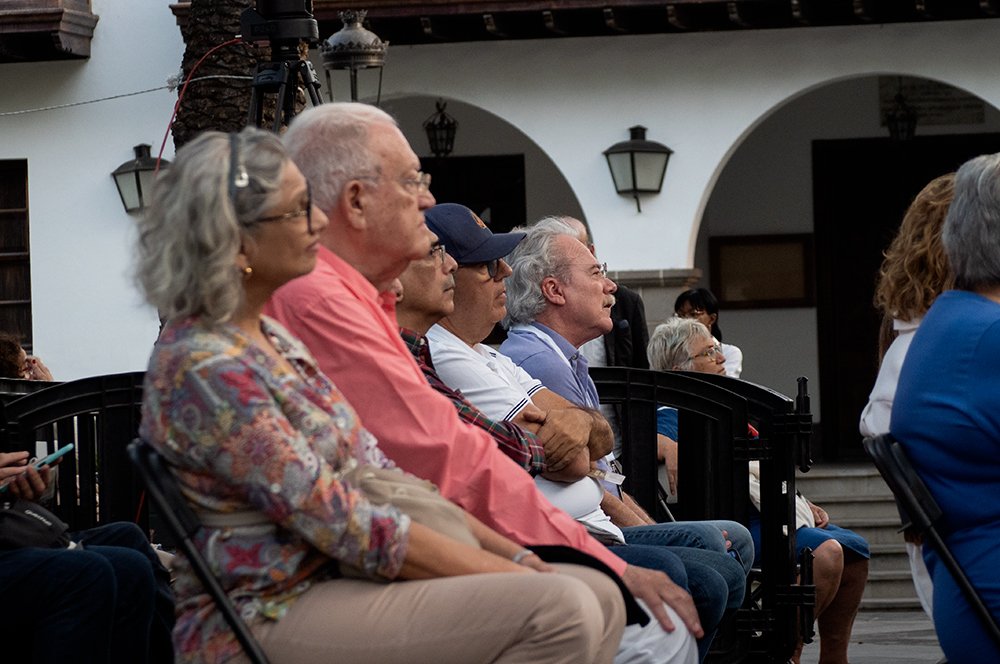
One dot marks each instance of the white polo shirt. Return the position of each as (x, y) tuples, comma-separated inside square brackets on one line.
[(501, 392)]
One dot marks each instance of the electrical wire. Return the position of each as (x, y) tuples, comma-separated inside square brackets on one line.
[(171, 85), (166, 134)]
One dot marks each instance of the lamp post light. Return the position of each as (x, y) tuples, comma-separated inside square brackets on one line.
[(353, 48), (134, 178), (441, 129), (638, 165)]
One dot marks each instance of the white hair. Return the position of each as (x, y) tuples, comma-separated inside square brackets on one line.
[(670, 344)]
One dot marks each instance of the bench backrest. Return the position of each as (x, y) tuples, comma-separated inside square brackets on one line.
[(100, 415)]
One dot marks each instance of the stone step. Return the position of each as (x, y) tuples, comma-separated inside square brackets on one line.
[(877, 530), (889, 585), (890, 604), (841, 506), (856, 485), (889, 558), (850, 480)]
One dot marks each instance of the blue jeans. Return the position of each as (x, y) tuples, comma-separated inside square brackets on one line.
[(96, 604), (654, 557), (716, 579), (128, 537), (58, 606)]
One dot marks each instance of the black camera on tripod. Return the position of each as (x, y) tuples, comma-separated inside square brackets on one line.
[(284, 24)]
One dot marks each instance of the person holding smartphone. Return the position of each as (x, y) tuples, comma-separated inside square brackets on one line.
[(106, 598)]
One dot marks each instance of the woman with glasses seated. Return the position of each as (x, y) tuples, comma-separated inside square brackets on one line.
[(262, 444), (700, 304), (840, 566), (16, 363)]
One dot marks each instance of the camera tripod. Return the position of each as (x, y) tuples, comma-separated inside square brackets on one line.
[(282, 79)]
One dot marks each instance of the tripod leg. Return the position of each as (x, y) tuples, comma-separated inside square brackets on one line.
[(312, 87), (285, 107), (255, 114)]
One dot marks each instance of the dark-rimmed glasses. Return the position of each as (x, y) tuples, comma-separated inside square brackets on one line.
[(438, 252), (295, 214), (492, 267), (240, 179)]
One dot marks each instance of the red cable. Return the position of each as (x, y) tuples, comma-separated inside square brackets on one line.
[(187, 81), (142, 500)]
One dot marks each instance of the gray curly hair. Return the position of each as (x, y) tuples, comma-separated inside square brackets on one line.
[(670, 344), (533, 259), (191, 232), (971, 232)]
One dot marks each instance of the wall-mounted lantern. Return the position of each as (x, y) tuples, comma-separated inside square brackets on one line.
[(638, 165), (134, 178)]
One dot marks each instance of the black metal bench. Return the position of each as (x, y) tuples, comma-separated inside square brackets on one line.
[(15, 388), (714, 450), (100, 415)]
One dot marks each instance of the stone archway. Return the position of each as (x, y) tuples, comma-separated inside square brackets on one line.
[(483, 134), (767, 186)]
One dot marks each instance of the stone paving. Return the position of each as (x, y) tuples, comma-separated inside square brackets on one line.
[(888, 637)]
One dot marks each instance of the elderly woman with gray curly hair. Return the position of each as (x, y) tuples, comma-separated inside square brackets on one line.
[(840, 565)]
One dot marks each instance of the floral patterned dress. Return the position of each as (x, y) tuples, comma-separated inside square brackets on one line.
[(242, 433)]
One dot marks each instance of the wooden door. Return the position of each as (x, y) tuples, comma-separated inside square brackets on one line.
[(861, 189)]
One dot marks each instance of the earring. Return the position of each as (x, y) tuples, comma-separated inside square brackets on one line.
[(247, 271)]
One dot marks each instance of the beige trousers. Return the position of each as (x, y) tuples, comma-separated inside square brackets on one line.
[(574, 616)]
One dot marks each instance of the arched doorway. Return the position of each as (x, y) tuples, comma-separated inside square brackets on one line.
[(495, 168), (823, 166)]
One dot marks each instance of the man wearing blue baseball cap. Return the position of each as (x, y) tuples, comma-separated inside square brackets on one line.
[(504, 392)]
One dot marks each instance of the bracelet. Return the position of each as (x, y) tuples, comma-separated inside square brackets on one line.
[(521, 555)]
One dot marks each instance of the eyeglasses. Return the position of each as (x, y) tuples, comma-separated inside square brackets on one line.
[(417, 185), (437, 251), (414, 185), (306, 212), (602, 268), (690, 313), (492, 267), (240, 179), (711, 352)]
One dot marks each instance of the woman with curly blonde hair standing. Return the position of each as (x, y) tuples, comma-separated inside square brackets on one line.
[(915, 271)]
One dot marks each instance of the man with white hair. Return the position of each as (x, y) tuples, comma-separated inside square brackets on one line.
[(624, 345), (559, 298)]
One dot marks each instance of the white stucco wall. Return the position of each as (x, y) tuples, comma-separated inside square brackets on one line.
[(698, 93), (86, 314), (482, 133)]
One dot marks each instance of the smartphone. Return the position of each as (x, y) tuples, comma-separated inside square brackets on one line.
[(41, 463)]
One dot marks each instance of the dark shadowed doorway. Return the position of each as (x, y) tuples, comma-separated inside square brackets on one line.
[(861, 188)]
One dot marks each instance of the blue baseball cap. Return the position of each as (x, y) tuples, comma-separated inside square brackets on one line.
[(466, 237)]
